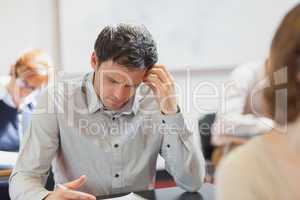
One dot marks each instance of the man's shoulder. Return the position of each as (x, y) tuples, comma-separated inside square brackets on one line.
[(67, 85), (61, 89)]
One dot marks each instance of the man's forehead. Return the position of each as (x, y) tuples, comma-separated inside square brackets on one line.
[(113, 66), (110, 65), (121, 73), (125, 78)]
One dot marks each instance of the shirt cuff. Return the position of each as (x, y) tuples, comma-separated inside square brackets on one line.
[(178, 111), (42, 194), (174, 125)]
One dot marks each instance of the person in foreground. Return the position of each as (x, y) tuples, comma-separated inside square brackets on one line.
[(18, 97), (268, 166), (103, 134)]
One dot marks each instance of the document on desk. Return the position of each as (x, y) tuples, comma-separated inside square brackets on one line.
[(130, 196), (8, 159)]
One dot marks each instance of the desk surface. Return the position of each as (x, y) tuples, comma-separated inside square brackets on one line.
[(174, 193), (7, 159)]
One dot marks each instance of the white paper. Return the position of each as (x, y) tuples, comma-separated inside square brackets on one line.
[(8, 158), (130, 196)]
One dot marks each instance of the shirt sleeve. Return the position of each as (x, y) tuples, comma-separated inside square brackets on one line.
[(183, 160), (38, 149), (232, 120)]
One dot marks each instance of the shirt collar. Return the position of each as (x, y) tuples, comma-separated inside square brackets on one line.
[(95, 104)]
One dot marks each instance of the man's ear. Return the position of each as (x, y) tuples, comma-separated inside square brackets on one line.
[(94, 62)]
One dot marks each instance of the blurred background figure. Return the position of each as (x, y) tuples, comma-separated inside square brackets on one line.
[(268, 166), (243, 116), (18, 97)]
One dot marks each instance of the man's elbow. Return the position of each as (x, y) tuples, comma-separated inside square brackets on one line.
[(191, 182), (192, 185), (11, 189)]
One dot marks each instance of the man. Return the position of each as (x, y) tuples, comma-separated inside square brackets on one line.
[(110, 127), (17, 99)]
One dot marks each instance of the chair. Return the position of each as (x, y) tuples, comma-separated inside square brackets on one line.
[(205, 124)]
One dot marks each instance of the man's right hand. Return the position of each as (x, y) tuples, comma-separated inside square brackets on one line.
[(67, 191)]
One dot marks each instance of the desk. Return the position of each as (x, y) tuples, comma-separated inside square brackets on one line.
[(7, 159), (5, 172), (174, 193)]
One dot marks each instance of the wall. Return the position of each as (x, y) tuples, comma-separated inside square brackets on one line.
[(33, 23), (194, 33), (28, 24)]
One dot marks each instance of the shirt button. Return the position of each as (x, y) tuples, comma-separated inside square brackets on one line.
[(116, 145), (117, 175), (163, 121), (113, 118), (168, 145)]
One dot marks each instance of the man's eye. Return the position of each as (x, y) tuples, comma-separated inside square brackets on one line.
[(113, 81)]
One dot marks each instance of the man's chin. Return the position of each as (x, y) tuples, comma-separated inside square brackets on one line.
[(114, 106)]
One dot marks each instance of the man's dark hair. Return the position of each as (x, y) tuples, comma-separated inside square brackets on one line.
[(128, 45)]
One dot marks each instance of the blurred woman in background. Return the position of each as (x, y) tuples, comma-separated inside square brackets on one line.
[(268, 166), (17, 99)]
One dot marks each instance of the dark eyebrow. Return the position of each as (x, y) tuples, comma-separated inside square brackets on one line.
[(134, 85), (110, 78)]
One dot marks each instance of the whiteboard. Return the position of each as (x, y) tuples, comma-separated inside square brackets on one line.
[(192, 33)]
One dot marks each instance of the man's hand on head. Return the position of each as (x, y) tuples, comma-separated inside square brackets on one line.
[(160, 81)]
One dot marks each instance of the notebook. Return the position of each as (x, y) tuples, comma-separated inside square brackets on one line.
[(130, 196)]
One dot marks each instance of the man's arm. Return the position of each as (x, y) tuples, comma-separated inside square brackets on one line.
[(184, 161), (38, 148)]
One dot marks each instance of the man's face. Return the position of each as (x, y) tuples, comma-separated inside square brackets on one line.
[(115, 84)]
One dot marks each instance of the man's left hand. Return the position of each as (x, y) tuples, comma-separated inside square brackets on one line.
[(160, 81)]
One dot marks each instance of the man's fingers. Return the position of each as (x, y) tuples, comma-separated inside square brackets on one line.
[(160, 74), (73, 185), (155, 84), (75, 195), (157, 81), (163, 70)]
